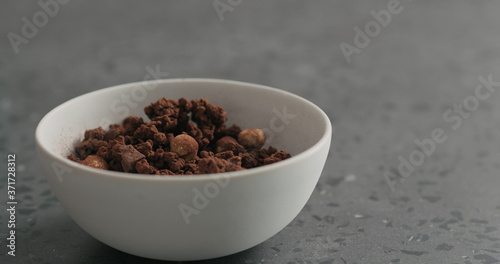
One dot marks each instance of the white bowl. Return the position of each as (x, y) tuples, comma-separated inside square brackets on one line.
[(187, 217)]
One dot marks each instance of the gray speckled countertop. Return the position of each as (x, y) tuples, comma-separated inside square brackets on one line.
[(412, 79)]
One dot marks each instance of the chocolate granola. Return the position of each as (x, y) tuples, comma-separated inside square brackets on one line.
[(183, 137)]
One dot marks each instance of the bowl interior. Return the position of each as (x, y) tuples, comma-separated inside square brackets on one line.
[(291, 123)]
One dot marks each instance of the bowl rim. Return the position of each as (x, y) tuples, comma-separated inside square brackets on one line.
[(325, 137)]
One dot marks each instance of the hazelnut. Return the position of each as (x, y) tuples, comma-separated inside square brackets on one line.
[(95, 162), (185, 146), (226, 143), (252, 138)]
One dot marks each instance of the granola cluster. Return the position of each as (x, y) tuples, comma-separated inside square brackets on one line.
[(183, 137)]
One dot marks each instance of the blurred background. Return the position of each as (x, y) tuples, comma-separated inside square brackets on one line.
[(383, 88)]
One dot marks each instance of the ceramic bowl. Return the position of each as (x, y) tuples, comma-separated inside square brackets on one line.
[(186, 217)]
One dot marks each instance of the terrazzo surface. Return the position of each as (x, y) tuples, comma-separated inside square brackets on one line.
[(413, 173)]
